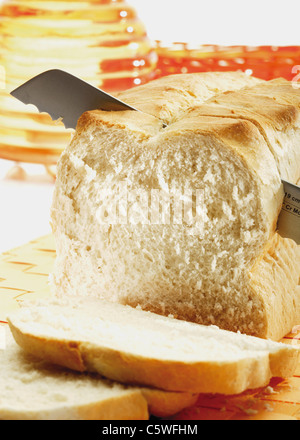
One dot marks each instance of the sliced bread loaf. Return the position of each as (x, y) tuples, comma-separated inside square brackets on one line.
[(182, 220), (141, 348), (32, 389)]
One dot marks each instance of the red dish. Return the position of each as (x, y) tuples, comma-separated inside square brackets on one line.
[(266, 62)]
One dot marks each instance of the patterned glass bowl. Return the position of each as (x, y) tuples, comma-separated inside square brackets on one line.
[(101, 41), (104, 43)]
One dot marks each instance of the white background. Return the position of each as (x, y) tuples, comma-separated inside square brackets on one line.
[(24, 206), (274, 22)]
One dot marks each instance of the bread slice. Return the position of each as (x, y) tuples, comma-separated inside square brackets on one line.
[(31, 389), (141, 348), (222, 158)]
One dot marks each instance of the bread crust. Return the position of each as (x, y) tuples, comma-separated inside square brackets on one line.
[(274, 277), (169, 97), (166, 404)]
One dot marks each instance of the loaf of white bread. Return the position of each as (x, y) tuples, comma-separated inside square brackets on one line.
[(32, 389), (212, 147)]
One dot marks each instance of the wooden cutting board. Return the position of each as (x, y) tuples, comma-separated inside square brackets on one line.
[(24, 273)]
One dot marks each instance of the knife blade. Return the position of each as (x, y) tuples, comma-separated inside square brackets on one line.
[(65, 96), (289, 218)]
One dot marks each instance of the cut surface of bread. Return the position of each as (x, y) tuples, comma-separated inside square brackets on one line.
[(182, 220), (141, 348), (32, 389)]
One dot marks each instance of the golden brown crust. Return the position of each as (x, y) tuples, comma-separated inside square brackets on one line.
[(63, 353), (280, 90), (165, 404), (133, 407), (138, 122), (168, 97), (280, 116)]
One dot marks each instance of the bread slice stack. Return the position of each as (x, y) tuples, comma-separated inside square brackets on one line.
[(33, 389), (141, 348), (182, 219)]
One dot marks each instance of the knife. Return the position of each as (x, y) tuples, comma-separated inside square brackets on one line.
[(65, 96), (289, 218)]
